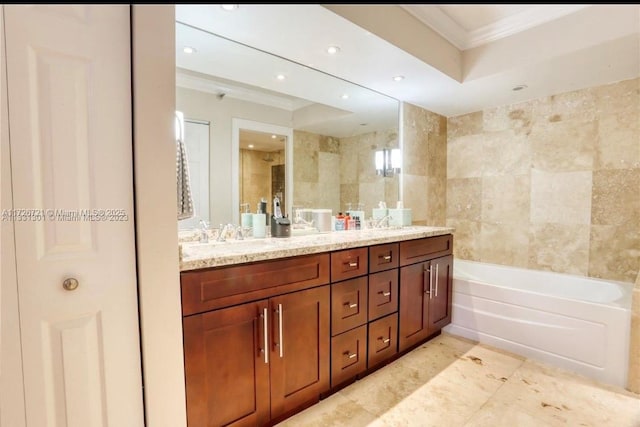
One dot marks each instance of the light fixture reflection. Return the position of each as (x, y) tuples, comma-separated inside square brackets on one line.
[(388, 162)]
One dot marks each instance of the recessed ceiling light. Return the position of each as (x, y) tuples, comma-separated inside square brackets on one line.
[(519, 87), (229, 7), (280, 77), (250, 145), (345, 96), (273, 137), (398, 78), (189, 49), (332, 50)]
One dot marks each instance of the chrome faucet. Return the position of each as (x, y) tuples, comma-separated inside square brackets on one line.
[(204, 231), (222, 231)]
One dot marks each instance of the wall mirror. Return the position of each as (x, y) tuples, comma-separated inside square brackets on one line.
[(328, 130)]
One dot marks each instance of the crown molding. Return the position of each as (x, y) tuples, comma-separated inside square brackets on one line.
[(434, 17)]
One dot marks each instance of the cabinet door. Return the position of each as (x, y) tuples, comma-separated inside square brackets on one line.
[(300, 349), (440, 301), (414, 304), (226, 366)]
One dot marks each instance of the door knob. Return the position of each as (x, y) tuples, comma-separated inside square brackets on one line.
[(70, 284)]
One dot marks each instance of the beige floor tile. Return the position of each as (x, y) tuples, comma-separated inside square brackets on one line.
[(334, 411), (503, 414), (557, 397), (451, 381)]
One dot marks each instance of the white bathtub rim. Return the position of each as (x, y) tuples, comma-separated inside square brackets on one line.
[(623, 302)]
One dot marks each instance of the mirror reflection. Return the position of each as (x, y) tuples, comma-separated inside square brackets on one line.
[(329, 131)]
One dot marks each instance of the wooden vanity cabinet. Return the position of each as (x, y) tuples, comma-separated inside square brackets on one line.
[(426, 278), (254, 362), (266, 339)]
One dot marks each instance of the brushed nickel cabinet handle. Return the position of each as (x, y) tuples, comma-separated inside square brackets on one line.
[(281, 337), (430, 282), (385, 294), (424, 278), (266, 336), (352, 305), (353, 264), (351, 356), (436, 280), (387, 257), (386, 340)]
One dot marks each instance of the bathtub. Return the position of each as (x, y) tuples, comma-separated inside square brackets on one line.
[(575, 323)]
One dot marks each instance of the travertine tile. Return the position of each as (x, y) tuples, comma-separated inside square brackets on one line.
[(466, 241), (437, 156), (559, 247), (616, 197), (506, 244), (451, 381), (416, 148), (416, 197), (464, 199), (516, 117), (437, 200), (559, 398), (634, 341), (467, 124), (620, 96), (336, 411), (561, 197), (329, 144), (465, 156), (505, 153), (618, 145), (567, 145), (506, 199), (577, 105), (614, 252)]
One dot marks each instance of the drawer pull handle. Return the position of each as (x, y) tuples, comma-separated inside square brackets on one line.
[(387, 257), (352, 305), (386, 340), (353, 264), (351, 356), (385, 294), (280, 335)]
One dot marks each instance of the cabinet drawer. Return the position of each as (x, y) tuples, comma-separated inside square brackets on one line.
[(383, 293), (383, 257), (348, 264), (348, 355), (224, 286), (348, 305), (419, 250), (383, 339)]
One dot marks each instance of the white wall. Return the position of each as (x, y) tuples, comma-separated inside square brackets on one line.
[(154, 69), (206, 106)]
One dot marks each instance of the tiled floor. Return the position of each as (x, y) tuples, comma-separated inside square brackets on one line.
[(451, 381)]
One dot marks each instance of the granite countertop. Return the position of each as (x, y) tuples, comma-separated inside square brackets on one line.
[(195, 255)]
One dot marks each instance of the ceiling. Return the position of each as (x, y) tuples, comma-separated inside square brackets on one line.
[(455, 59)]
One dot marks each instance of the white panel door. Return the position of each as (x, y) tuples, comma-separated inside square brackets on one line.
[(69, 81), (196, 140)]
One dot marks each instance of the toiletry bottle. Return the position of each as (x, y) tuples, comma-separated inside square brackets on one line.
[(347, 220), (339, 222), (358, 225), (259, 223)]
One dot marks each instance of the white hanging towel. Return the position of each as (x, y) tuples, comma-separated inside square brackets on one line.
[(185, 201)]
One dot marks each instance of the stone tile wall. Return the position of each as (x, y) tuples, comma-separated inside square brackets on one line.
[(553, 184), (550, 184)]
